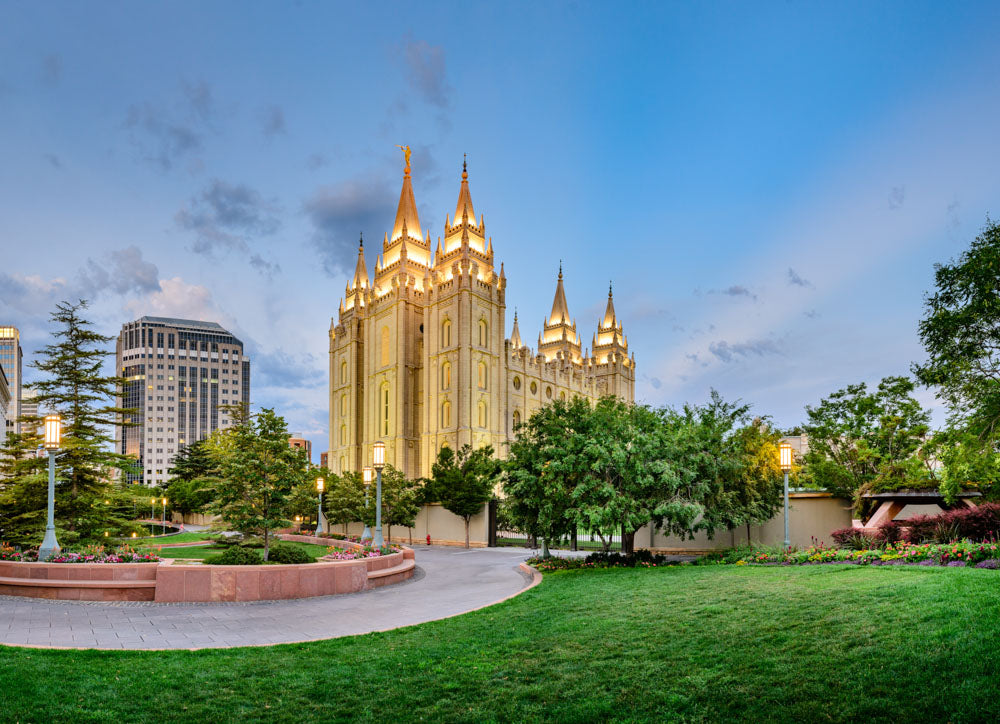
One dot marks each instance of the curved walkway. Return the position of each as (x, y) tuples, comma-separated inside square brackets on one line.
[(448, 581)]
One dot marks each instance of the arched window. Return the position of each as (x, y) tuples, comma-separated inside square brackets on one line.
[(343, 404), (483, 375), (446, 376), (483, 332), (517, 418), (446, 414), (384, 357), (384, 394), (548, 392), (343, 464), (343, 434), (483, 413), (446, 333), (343, 371), (562, 396)]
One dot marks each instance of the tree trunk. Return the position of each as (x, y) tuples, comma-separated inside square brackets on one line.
[(545, 548), (388, 532), (467, 532), (628, 542), (410, 533), (748, 534), (266, 543)]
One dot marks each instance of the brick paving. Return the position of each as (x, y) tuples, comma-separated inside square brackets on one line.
[(447, 581)]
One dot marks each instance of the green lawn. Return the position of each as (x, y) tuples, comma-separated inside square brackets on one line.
[(816, 643), (179, 538), (202, 551)]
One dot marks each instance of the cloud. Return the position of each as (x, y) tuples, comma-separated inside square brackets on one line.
[(122, 271), (812, 314), (427, 72), (317, 161), (266, 268), (31, 294), (339, 213), (162, 136), (279, 369), (728, 352), (226, 217), (272, 121), (736, 290), (176, 298), (897, 196), (53, 160), (796, 280)]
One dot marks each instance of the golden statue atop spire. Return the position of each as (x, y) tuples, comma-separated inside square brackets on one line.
[(406, 154)]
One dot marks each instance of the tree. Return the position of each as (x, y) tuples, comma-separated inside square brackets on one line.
[(344, 501), (464, 481), (400, 498), (961, 333), (861, 441), (195, 473), (74, 386), (258, 471)]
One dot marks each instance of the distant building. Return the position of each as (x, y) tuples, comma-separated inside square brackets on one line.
[(300, 443), (10, 361), (324, 459), (5, 405), (181, 375), (29, 408)]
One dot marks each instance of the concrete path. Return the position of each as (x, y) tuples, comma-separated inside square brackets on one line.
[(447, 581)]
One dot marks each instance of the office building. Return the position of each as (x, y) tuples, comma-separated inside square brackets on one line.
[(10, 361)]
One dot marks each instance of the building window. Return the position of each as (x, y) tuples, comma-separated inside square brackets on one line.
[(483, 374), (384, 357), (548, 392), (483, 332), (343, 371), (446, 414), (385, 409), (343, 434), (343, 464), (446, 333), (562, 396), (343, 404), (517, 382), (446, 376), (534, 388), (517, 418), (483, 413)]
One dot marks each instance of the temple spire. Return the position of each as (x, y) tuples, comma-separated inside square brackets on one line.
[(515, 336), (560, 311), (609, 313), (464, 209), (406, 212), (360, 280)]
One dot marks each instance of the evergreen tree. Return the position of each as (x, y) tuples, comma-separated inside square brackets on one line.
[(74, 386)]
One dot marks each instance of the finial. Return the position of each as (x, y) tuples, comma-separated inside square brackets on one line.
[(361, 243), (406, 154), (560, 268), (609, 288), (465, 169)]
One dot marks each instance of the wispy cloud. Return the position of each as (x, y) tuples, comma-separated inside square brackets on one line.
[(733, 351), (796, 280), (163, 135), (272, 121), (427, 72)]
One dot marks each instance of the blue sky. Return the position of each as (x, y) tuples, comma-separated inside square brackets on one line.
[(768, 185)]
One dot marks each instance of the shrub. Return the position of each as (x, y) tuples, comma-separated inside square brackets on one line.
[(288, 553), (920, 528), (238, 539), (855, 539), (890, 532), (235, 556), (976, 524)]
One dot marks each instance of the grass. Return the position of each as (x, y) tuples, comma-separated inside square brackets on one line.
[(823, 643), (202, 551), (179, 538)]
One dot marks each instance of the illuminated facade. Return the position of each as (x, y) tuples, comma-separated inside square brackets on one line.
[(11, 359), (419, 357)]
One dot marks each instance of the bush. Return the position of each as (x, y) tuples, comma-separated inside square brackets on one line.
[(976, 524), (890, 532), (239, 539), (288, 553), (235, 556), (920, 528), (855, 539)]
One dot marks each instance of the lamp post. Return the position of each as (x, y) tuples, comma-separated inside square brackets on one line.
[(164, 520), (50, 546), (378, 462), (785, 454), (320, 518), (152, 511), (366, 475)]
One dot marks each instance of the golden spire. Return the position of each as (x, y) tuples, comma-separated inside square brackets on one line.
[(609, 313), (361, 269), (515, 335), (464, 207), (560, 311), (406, 212)]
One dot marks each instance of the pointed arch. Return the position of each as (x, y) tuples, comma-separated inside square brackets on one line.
[(385, 425), (484, 411), (484, 330), (446, 376), (446, 332), (446, 414), (384, 348), (483, 375)]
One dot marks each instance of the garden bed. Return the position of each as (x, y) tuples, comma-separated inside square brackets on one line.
[(957, 554)]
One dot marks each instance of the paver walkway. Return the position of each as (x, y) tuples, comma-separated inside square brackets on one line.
[(447, 581)]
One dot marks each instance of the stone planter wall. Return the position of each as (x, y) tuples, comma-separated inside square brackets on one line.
[(79, 581)]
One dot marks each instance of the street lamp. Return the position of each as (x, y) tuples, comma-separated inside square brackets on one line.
[(367, 474), (378, 462), (785, 460), (152, 512), (50, 546), (320, 518), (164, 521)]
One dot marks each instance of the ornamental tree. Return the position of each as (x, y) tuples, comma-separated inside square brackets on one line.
[(463, 481), (257, 471)]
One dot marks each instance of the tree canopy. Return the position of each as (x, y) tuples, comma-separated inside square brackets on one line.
[(463, 481)]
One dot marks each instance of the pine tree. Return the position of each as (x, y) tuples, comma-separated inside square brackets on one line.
[(76, 388)]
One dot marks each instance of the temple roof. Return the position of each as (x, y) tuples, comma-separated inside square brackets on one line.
[(609, 313), (560, 311), (464, 205), (406, 212), (360, 280)]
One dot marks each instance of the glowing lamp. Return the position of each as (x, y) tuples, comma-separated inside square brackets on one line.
[(320, 483), (52, 432), (164, 501), (367, 475), (134, 534), (785, 453), (378, 455)]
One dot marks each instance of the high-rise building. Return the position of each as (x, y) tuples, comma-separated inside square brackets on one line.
[(180, 376), (4, 402), (29, 408), (419, 358), (10, 360)]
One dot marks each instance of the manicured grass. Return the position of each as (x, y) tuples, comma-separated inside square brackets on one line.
[(179, 538), (823, 643), (209, 550)]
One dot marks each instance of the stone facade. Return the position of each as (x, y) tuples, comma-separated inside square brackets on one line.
[(419, 358)]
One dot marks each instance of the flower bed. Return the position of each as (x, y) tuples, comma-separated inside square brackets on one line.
[(640, 559), (961, 553), (341, 554), (90, 554)]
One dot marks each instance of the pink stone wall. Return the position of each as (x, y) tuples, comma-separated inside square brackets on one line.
[(79, 581)]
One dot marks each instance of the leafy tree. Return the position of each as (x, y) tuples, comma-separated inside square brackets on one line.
[(464, 481), (400, 499), (861, 441), (258, 471), (344, 501), (961, 333), (303, 500), (74, 386)]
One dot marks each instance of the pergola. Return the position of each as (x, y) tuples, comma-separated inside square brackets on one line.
[(893, 503)]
